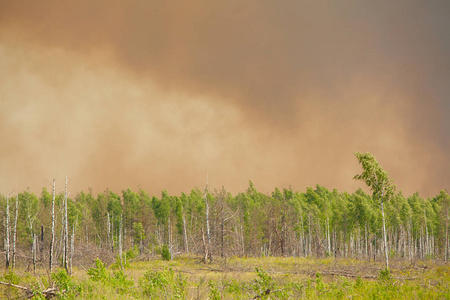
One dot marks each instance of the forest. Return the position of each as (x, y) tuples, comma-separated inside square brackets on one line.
[(53, 230), (317, 222)]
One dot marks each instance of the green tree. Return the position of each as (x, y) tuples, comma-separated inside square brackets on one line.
[(378, 181)]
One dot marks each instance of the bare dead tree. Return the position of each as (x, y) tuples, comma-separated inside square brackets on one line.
[(170, 238), (120, 241), (185, 232), (66, 231), (15, 233), (109, 232), (208, 235), (52, 242), (41, 244), (72, 241), (33, 252), (7, 234)]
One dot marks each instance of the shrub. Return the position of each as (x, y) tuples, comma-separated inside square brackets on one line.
[(165, 253), (67, 289), (98, 273), (118, 280), (163, 284)]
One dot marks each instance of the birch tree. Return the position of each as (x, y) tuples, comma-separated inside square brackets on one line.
[(7, 234), (382, 187), (15, 233), (52, 242), (208, 234)]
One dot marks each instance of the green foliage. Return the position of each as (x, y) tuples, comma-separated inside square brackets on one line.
[(98, 273), (384, 276), (118, 280), (314, 222), (11, 277), (375, 177), (165, 284), (283, 282), (214, 293), (67, 288), (165, 252), (127, 256), (265, 287), (138, 232)]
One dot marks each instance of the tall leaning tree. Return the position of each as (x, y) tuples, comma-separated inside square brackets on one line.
[(378, 181)]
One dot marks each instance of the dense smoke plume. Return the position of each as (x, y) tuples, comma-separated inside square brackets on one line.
[(155, 94)]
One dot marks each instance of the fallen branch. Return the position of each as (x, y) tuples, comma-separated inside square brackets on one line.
[(15, 285), (348, 275), (363, 276), (48, 293)]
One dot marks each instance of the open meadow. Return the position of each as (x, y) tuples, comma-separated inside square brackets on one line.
[(188, 277)]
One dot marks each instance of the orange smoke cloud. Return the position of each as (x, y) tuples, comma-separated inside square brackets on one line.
[(155, 94)]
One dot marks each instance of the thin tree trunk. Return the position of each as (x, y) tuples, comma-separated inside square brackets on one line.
[(120, 241), (309, 233), (170, 238), (221, 236), (242, 242), (207, 221), (426, 242), (113, 234), (328, 236), (302, 235), (15, 233), (384, 236), (33, 250), (185, 234), (53, 228), (411, 238), (41, 244), (446, 255), (205, 247), (71, 248), (7, 234), (366, 241), (66, 230), (109, 232)]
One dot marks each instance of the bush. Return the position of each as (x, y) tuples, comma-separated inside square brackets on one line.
[(67, 289), (214, 293), (165, 253), (118, 280), (163, 284), (98, 273)]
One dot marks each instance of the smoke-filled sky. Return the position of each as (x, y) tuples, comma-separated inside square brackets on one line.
[(156, 94)]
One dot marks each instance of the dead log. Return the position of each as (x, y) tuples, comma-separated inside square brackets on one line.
[(48, 293)]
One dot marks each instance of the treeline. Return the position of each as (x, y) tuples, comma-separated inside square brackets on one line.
[(213, 224)]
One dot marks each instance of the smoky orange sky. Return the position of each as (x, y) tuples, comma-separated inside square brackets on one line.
[(156, 94)]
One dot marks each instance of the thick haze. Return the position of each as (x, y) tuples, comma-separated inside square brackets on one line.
[(155, 94)]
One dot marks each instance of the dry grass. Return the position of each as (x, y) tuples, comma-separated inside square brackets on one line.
[(233, 278)]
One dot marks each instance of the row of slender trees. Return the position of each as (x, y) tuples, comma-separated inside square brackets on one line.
[(317, 222)]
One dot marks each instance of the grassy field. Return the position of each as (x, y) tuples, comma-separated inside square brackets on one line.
[(239, 278)]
